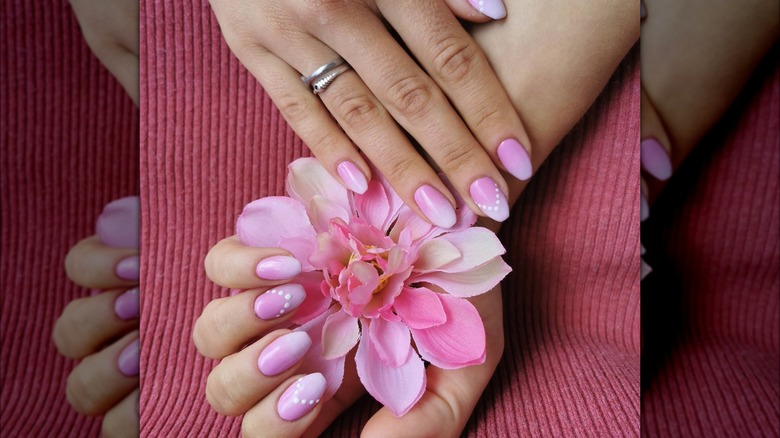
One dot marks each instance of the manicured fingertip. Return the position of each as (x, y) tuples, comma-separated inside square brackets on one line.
[(353, 178)]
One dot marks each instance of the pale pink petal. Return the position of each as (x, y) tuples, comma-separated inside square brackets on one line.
[(315, 302), (332, 252), (470, 283), (322, 210), (397, 388), (373, 205), (278, 222), (363, 280), (410, 222), (457, 343), (308, 178), (384, 299), (339, 334), (391, 340), (477, 245), (394, 201), (314, 362), (435, 253), (419, 308)]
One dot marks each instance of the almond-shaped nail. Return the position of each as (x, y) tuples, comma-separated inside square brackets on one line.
[(490, 199), (352, 176), (128, 268), (301, 397), (435, 206), (515, 159), (283, 353), (276, 302), (126, 306), (129, 360), (278, 268), (655, 159), (492, 8), (118, 224)]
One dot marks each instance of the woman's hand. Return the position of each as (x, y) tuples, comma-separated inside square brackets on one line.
[(451, 102)]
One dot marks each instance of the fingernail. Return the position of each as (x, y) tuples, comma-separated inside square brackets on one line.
[(127, 305), (435, 206), (655, 159), (129, 361), (515, 159), (492, 8), (279, 300), (118, 224), (283, 353), (490, 199), (278, 268), (301, 397), (128, 268), (644, 209), (352, 177)]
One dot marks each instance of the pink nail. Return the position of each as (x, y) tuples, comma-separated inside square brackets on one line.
[(278, 268), (126, 306), (492, 8), (283, 353), (490, 199), (128, 268), (301, 397), (118, 224), (515, 159), (129, 361), (435, 206), (352, 177), (655, 159), (279, 300)]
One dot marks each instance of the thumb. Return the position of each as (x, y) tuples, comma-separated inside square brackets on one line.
[(477, 11)]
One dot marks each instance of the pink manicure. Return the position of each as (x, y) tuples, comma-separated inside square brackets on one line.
[(128, 268), (435, 206), (118, 224), (283, 353), (301, 397), (655, 159), (515, 159), (490, 199), (279, 300), (492, 8), (352, 177), (129, 361), (278, 268), (126, 306)]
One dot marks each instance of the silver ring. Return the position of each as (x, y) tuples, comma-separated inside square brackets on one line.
[(326, 79), (322, 70)]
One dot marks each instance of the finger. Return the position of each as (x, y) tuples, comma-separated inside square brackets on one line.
[(91, 264), (288, 410), (655, 144), (121, 421), (227, 324), (477, 11), (103, 379), (244, 378), (237, 266), (87, 323)]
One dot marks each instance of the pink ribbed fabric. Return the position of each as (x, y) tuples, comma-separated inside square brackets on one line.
[(212, 141), (69, 146)]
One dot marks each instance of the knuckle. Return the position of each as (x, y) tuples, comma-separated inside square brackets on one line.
[(81, 395), (410, 95), (400, 167), (294, 107), (455, 58), (68, 334), (208, 331), (357, 111), (221, 393), (458, 157), (488, 119)]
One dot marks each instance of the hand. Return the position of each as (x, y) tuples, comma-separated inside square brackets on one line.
[(238, 386), (111, 30), (470, 140), (102, 330)]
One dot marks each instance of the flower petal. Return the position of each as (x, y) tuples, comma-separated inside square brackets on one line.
[(315, 302), (278, 222), (411, 221), (373, 205), (420, 308), (314, 362), (457, 343), (477, 246), (397, 388), (469, 283), (435, 253), (391, 341), (308, 178), (339, 334), (322, 210)]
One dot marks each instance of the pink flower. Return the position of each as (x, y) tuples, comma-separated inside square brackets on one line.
[(370, 269)]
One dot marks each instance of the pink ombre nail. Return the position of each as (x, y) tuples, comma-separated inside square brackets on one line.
[(301, 397), (492, 8), (129, 360), (280, 300), (352, 177), (128, 268), (435, 206), (127, 306), (490, 199), (283, 353), (515, 159), (655, 159), (278, 268), (118, 224)]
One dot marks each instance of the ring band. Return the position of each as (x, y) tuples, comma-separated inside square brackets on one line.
[(323, 81), (322, 70)]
